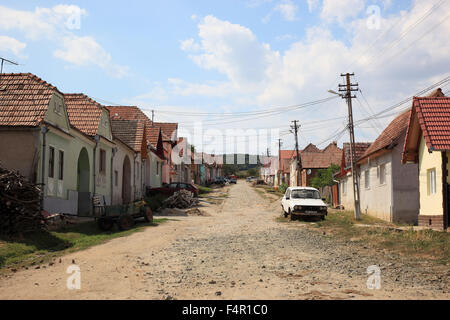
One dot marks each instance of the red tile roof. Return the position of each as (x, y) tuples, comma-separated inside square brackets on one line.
[(389, 137), (134, 113), (84, 113), (130, 132), (360, 149), (286, 156), (311, 148), (24, 99), (434, 119), (323, 159), (168, 129)]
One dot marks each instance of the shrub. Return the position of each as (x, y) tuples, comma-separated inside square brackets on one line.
[(283, 187), (155, 202)]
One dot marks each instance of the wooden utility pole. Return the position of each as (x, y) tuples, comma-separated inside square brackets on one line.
[(279, 162), (295, 127), (347, 89)]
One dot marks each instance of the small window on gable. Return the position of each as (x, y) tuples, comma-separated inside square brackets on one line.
[(382, 174), (57, 107)]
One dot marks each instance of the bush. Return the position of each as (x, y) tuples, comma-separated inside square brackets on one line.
[(283, 187), (204, 190)]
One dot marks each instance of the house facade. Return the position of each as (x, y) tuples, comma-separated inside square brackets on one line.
[(344, 178), (389, 189), (427, 144)]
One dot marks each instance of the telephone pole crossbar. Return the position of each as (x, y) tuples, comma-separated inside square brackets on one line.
[(347, 90)]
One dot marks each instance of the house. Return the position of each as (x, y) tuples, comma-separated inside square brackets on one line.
[(427, 144), (285, 157), (36, 139), (128, 160), (343, 191), (388, 189), (92, 120), (312, 160), (156, 155), (62, 142), (170, 139)]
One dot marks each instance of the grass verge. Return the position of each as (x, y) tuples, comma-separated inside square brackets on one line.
[(379, 234), (44, 246)]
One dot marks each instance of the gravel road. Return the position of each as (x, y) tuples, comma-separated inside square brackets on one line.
[(236, 251)]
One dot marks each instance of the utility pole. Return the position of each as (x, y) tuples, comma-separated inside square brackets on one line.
[(295, 127), (347, 89), (279, 162)]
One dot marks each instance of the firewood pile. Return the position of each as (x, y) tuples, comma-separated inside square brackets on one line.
[(182, 199), (19, 204)]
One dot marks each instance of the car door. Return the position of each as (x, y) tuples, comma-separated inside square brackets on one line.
[(285, 201)]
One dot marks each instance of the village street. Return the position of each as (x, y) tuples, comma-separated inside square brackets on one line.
[(237, 251)]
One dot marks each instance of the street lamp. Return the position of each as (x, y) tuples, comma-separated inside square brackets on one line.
[(334, 92)]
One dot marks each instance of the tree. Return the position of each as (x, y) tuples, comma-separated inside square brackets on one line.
[(252, 172), (324, 177)]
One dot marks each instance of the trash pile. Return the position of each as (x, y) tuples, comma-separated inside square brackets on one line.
[(182, 199), (19, 204)]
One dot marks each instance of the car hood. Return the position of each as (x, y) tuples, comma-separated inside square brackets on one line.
[(307, 202)]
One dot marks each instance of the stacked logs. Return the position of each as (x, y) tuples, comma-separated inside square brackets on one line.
[(19, 204), (182, 199)]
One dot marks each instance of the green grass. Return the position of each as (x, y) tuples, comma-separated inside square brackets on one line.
[(427, 244), (42, 247), (204, 190)]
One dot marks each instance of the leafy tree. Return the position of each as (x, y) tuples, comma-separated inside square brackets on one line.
[(324, 177), (252, 172)]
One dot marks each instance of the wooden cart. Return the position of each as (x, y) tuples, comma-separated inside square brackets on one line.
[(122, 215)]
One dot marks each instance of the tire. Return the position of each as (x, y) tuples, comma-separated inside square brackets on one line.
[(322, 218), (147, 214), (285, 214), (105, 224), (292, 217), (125, 222)]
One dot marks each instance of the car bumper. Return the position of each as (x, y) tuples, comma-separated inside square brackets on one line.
[(310, 213)]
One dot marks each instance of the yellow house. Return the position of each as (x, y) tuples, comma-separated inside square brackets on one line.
[(428, 144)]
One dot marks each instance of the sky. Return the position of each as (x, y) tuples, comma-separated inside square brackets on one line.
[(213, 61)]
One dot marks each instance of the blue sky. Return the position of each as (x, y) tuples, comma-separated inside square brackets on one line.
[(228, 56)]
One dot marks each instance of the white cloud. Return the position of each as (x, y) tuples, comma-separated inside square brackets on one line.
[(288, 10), (233, 50), (40, 23), (313, 4), (11, 45), (85, 51), (261, 76), (189, 45), (57, 24), (341, 10)]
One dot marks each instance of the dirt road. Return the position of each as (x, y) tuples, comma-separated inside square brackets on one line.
[(239, 251)]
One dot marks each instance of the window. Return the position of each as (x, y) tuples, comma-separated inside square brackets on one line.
[(344, 187), (102, 167), (382, 173), (61, 165), (157, 168), (367, 179), (305, 194), (431, 181), (57, 107), (51, 162), (116, 178)]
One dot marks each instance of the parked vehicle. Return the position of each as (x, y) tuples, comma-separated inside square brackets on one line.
[(171, 188), (220, 180), (303, 202), (233, 180)]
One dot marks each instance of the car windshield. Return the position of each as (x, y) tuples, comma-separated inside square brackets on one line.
[(305, 194)]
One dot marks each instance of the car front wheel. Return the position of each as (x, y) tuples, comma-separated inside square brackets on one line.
[(284, 213)]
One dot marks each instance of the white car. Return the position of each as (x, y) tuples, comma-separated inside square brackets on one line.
[(303, 202)]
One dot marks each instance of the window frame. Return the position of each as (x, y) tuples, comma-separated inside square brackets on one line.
[(102, 161), (367, 179), (51, 162), (60, 164), (382, 174), (431, 181)]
